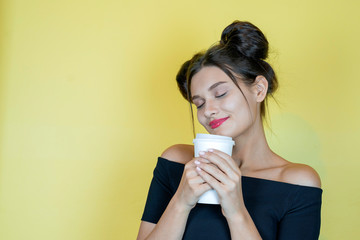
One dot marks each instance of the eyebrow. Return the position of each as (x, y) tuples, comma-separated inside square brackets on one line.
[(210, 88)]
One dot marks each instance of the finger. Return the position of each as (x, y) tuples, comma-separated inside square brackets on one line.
[(203, 188), (221, 163), (192, 164), (199, 185), (210, 180), (227, 157), (196, 180), (190, 173), (215, 172), (189, 169), (201, 160)]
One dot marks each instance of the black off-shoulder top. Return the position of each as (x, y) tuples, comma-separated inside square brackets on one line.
[(279, 210)]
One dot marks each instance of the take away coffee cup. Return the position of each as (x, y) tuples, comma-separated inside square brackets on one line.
[(204, 142)]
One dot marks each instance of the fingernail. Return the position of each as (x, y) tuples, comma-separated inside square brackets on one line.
[(197, 162), (210, 150), (197, 168), (201, 153)]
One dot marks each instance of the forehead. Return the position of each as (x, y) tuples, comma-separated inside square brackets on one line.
[(208, 76)]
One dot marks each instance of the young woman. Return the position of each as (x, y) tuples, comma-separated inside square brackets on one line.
[(262, 195)]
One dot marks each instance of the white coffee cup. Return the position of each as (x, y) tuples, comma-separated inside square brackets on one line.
[(204, 142)]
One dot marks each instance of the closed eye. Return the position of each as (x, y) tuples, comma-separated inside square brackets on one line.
[(221, 95), (198, 107), (218, 96)]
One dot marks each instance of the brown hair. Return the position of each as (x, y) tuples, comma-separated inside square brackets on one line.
[(241, 54)]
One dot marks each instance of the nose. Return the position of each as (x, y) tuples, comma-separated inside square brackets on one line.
[(211, 108)]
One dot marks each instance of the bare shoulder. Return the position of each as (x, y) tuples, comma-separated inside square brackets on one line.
[(181, 153), (301, 174)]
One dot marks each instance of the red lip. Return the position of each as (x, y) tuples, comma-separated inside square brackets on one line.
[(217, 122)]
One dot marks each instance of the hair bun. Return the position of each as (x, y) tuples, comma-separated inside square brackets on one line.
[(246, 38)]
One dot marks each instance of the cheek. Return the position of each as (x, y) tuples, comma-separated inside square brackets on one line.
[(200, 116), (202, 119), (234, 104), (246, 111), (238, 107)]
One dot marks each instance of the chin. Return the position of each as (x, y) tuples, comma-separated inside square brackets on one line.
[(221, 132)]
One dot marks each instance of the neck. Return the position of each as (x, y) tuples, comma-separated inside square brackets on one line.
[(251, 150)]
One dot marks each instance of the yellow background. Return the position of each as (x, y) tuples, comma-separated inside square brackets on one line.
[(88, 101)]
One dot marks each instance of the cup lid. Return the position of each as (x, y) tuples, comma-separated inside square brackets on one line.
[(211, 136), (214, 140)]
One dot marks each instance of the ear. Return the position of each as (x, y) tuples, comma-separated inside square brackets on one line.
[(260, 88)]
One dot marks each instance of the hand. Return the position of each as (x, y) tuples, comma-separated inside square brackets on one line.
[(221, 172), (191, 186)]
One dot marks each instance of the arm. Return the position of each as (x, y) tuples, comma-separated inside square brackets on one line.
[(302, 221), (242, 226), (172, 222), (170, 226), (225, 178)]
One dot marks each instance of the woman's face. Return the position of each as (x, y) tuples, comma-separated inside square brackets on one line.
[(221, 107)]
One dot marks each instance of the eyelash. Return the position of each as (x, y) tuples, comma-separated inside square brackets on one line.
[(198, 107), (219, 96)]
